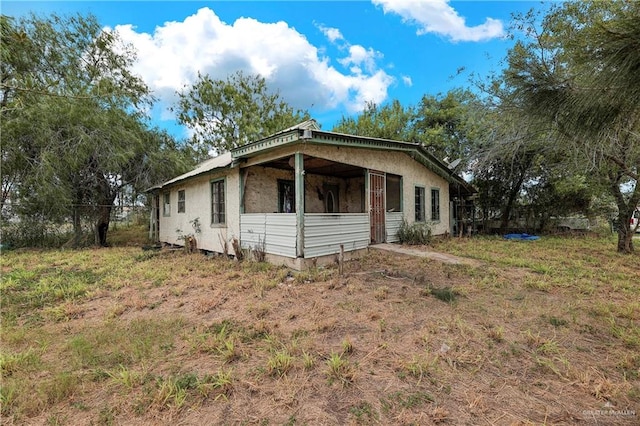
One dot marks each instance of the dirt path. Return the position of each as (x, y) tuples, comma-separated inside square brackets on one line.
[(421, 252)]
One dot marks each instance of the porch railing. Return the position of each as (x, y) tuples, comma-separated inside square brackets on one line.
[(324, 232), (393, 220), (277, 231)]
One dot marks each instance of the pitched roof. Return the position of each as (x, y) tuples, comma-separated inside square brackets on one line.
[(219, 162)]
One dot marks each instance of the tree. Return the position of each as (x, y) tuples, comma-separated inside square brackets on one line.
[(451, 125), (226, 114), (578, 70), (390, 121), (73, 126), (447, 126)]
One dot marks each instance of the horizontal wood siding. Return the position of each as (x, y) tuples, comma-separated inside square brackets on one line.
[(393, 221), (323, 233), (277, 230)]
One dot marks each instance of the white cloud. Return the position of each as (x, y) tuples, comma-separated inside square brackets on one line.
[(332, 34), (359, 58), (407, 81), (176, 52), (437, 16)]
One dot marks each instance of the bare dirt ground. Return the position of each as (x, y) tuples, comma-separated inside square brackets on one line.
[(422, 342)]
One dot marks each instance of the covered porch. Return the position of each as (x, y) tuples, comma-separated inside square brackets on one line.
[(298, 206)]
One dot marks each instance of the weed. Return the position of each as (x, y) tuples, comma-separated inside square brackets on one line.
[(540, 344), (314, 275), (347, 346), (421, 366), (57, 420), (496, 334), (12, 363), (259, 251), (415, 233), (630, 366), (339, 369), (308, 361), (219, 384), (60, 387), (557, 322), (406, 400), (107, 416), (172, 392), (218, 339), (126, 377), (446, 294), (228, 350), (363, 412), (8, 392), (280, 363)]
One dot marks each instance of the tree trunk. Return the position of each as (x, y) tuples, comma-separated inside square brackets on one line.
[(102, 225), (77, 227), (626, 208), (625, 235), (103, 217), (506, 211)]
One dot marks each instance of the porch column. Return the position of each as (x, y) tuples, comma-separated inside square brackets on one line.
[(299, 179)]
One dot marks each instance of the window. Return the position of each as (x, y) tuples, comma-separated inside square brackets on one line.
[(394, 193), (166, 204), (419, 195), (435, 204), (286, 197), (331, 198), (217, 203), (181, 201)]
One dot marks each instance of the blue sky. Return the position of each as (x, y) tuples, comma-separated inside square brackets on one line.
[(328, 57)]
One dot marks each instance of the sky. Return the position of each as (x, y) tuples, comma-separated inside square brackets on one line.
[(327, 57)]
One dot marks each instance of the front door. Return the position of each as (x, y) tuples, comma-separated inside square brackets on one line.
[(376, 206)]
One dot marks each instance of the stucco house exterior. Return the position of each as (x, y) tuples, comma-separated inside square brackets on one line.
[(302, 193)]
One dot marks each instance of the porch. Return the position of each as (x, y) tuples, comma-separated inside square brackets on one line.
[(322, 233), (298, 206)]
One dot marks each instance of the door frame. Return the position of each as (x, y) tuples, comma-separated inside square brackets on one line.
[(377, 205)]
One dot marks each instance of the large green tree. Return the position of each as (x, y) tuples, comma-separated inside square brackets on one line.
[(578, 71), (448, 126), (225, 114), (451, 125), (73, 124), (389, 121)]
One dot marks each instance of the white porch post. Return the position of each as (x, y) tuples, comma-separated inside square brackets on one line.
[(299, 183)]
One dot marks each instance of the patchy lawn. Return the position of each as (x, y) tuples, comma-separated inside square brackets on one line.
[(538, 332)]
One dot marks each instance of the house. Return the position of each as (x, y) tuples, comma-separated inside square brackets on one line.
[(302, 193)]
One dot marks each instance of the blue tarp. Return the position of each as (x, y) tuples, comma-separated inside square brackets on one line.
[(526, 237)]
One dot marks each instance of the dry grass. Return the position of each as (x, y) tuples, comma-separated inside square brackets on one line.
[(542, 333)]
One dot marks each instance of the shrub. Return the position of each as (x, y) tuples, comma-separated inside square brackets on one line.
[(32, 232), (415, 233)]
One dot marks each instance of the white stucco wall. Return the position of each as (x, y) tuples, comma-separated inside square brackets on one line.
[(198, 205)]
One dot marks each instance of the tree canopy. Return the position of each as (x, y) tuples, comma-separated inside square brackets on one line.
[(225, 114), (73, 124), (448, 126), (578, 72)]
